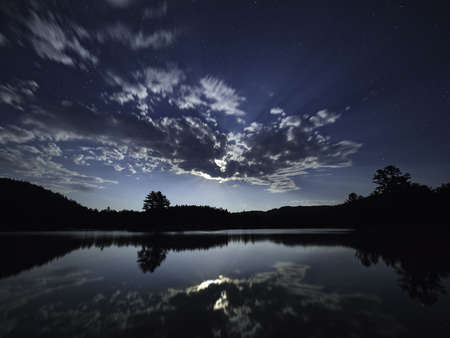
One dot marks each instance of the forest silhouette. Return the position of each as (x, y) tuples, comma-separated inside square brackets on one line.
[(397, 203)]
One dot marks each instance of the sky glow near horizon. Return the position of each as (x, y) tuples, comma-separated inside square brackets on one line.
[(235, 104)]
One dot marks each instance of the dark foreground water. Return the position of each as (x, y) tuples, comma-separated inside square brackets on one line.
[(225, 284)]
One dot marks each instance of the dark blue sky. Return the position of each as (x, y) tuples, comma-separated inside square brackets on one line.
[(237, 104)]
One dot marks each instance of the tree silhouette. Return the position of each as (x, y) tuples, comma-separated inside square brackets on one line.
[(156, 201), (443, 189), (353, 197), (150, 257), (390, 179)]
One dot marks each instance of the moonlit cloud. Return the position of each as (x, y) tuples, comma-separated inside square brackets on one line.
[(190, 145), (271, 155), (120, 103), (17, 93), (148, 85), (156, 12), (120, 3), (254, 127), (277, 111), (290, 121), (222, 97), (266, 154), (47, 171), (323, 117), (162, 81), (129, 92), (54, 41), (211, 94), (14, 134), (137, 40), (3, 40), (52, 150)]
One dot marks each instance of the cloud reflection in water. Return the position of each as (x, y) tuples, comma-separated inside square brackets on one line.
[(260, 305)]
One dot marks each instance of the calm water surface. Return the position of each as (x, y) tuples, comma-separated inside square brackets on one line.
[(223, 284)]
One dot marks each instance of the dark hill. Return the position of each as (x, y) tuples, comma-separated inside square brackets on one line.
[(27, 205)]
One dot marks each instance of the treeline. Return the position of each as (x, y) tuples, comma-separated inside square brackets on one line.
[(179, 217), (396, 203), (26, 206)]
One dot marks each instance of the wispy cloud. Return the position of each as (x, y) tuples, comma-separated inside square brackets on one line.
[(15, 134), (47, 171), (291, 121), (149, 114), (161, 81), (263, 154), (214, 95), (120, 3), (137, 40), (57, 42), (17, 93), (156, 12), (223, 98), (277, 111), (323, 117), (3, 40), (272, 154), (310, 202), (147, 86)]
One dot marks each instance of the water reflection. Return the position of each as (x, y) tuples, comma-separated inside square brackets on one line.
[(421, 264), (150, 257), (271, 303), (279, 299), (265, 304)]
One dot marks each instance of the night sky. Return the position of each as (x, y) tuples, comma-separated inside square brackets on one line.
[(236, 104)]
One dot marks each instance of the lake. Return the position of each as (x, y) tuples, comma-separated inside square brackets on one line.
[(265, 283)]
